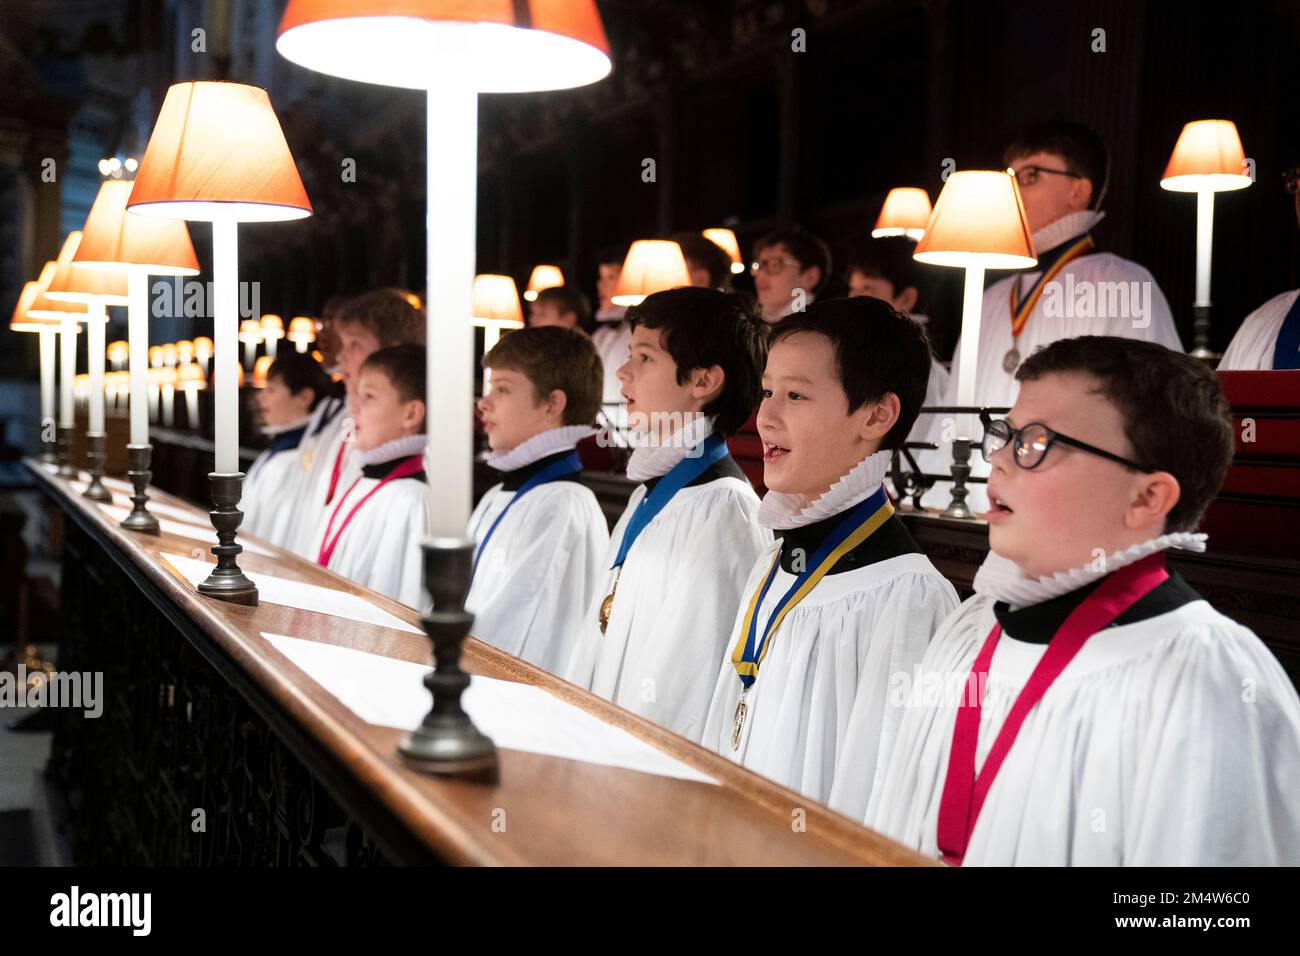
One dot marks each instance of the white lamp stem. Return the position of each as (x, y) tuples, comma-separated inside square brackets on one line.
[(225, 324), (971, 307), (96, 318), (47, 379), (68, 348), (451, 150), (137, 329), (1204, 245)]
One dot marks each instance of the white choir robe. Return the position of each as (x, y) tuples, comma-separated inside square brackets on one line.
[(817, 711), (312, 509), (677, 597), (995, 387), (533, 584), (1145, 751), (1252, 347), (380, 548), (267, 500)]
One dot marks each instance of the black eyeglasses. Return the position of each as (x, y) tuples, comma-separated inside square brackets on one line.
[(1029, 174), (1031, 443)]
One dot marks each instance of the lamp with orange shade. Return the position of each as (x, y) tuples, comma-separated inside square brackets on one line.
[(1208, 158), (203, 351), (184, 351), (452, 49), (725, 240), (260, 368), (47, 329), (652, 265), (543, 277), (191, 380), (250, 333), (217, 154), (496, 308), (978, 223), (68, 315), (302, 332), (272, 329), (905, 212)]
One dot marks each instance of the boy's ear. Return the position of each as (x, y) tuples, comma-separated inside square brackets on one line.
[(905, 301), (413, 416), (812, 285), (1154, 497), (882, 417), (557, 402), (706, 383)]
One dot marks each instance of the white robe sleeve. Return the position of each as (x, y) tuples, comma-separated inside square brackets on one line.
[(537, 576), (1252, 347)]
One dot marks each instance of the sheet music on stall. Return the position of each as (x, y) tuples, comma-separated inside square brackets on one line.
[(182, 530), (391, 693), (298, 594)]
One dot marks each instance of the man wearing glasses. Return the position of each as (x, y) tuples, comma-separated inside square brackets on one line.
[(1269, 338), (790, 267), (1062, 169)]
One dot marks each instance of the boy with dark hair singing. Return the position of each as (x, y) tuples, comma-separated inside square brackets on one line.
[(539, 535), (1106, 714), (845, 599), (679, 555)]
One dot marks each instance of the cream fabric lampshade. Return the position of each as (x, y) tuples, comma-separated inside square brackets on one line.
[(302, 329), (114, 241), (543, 277), (495, 46), (496, 300), (725, 240), (906, 212), (217, 153), (979, 220), (84, 284), (43, 307), (22, 321), (272, 327), (652, 265), (1207, 157)]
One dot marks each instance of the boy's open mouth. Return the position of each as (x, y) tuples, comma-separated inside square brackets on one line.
[(997, 505), (772, 452)]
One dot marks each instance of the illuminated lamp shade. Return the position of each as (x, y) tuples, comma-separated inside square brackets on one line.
[(84, 285), (115, 242), (302, 332), (272, 327), (118, 351), (260, 368), (185, 351), (43, 307), (21, 321), (725, 240), (906, 212), (1207, 157), (652, 265), (494, 46), (496, 301), (543, 277), (155, 356), (202, 348), (169, 354), (191, 377)]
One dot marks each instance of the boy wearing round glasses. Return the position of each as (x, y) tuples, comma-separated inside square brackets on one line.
[(1076, 288), (790, 267), (1092, 709)]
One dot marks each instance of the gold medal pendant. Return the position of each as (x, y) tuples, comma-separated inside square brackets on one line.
[(607, 605), (1011, 361), (738, 724), (305, 460)]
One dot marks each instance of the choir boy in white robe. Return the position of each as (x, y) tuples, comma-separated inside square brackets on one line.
[(845, 599), (1086, 707), (1074, 290), (540, 536), (790, 267), (373, 530), (611, 336), (1269, 338), (296, 385), (680, 554), (885, 269), (369, 322)]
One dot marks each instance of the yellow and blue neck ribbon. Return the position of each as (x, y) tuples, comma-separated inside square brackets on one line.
[(859, 523), (1051, 262)]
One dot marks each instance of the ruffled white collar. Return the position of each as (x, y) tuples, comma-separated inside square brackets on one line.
[(782, 511), (539, 446), (402, 447), (652, 460), (271, 431), (1066, 228), (1001, 579)]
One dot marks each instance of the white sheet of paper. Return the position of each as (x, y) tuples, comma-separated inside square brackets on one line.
[(194, 532), (306, 597), (198, 518), (391, 693)]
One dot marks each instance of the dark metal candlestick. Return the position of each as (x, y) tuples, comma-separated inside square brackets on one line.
[(138, 459), (64, 443), (957, 508), (447, 742), (227, 581), (96, 491), (1201, 334)]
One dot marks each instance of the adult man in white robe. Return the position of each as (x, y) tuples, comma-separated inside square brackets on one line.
[(846, 599), (680, 554), (1062, 170), (1086, 707), (1269, 338), (540, 536), (378, 319)]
